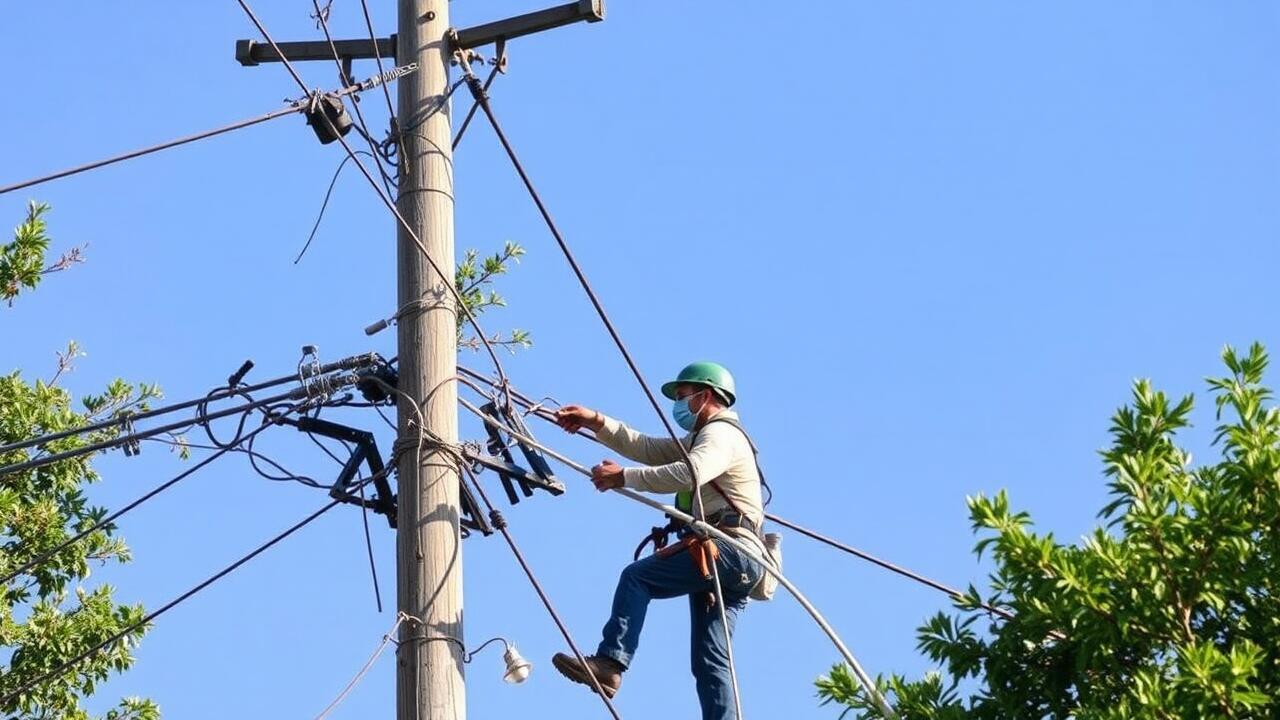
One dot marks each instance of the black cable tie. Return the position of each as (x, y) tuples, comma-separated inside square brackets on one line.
[(477, 88), (498, 521)]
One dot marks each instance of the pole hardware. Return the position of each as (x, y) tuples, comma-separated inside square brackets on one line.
[(365, 453), (501, 460), (238, 376), (251, 52), (471, 517), (327, 116)]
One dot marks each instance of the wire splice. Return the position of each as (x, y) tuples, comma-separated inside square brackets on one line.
[(499, 522)]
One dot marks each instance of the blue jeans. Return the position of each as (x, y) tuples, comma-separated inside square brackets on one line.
[(657, 577)]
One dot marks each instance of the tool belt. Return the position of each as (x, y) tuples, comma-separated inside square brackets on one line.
[(660, 536), (702, 551)]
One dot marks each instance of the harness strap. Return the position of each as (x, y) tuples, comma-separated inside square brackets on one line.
[(660, 536), (754, 452)]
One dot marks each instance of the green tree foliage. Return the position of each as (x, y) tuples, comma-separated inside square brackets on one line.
[(1170, 610), (52, 612), (22, 262)]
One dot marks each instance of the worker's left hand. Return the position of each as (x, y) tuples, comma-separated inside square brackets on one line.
[(607, 475)]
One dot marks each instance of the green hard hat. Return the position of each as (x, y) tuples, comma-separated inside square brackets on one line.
[(713, 375)]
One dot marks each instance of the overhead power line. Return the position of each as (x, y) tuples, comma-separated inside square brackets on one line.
[(953, 592), (44, 557), (79, 657), (377, 56), (296, 106), (316, 383), (536, 409), (234, 389), (201, 419)]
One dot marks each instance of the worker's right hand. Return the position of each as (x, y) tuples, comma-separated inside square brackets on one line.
[(575, 417)]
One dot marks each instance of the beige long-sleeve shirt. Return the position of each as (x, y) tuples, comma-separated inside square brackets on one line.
[(721, 453)]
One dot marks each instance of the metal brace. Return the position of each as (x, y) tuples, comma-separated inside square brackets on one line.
[(366, 453)]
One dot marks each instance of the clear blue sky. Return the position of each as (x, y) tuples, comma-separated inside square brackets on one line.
[(948, 238)]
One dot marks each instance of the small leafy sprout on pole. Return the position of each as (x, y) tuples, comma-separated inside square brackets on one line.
[(475, 275)]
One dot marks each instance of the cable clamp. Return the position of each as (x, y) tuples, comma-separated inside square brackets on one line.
[(498, 521), (131, 446), (389, 76)]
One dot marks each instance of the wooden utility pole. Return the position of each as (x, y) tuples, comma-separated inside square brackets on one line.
[(429, 675)]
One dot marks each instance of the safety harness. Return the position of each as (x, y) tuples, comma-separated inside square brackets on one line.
[(703, 551)]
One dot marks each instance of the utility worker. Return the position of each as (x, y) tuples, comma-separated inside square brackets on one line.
[(729, 482)]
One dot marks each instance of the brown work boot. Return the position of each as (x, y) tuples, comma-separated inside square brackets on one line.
[(607, 671)]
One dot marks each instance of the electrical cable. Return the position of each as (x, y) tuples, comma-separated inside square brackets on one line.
[(272, 417), (884, 564), (202, 412), (285, 475), (134, 417), (377, 57), (482, 98), (498, 521), (353, 362), (111, 518), (368, 544), (322, 382), (533, 409), (283, 58), (322, 19), (466, 122), (134, 437), (234, 446), (68, 664), (253, 455), (295, 106), (377, 653), (325, 448), (325, 205), (704, 528)]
